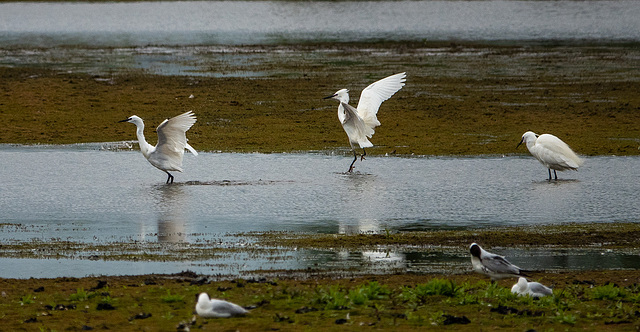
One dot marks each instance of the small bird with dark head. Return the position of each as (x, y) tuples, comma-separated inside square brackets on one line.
[(492, 265)]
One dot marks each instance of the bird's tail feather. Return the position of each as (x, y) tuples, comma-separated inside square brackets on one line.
[(191, 149)]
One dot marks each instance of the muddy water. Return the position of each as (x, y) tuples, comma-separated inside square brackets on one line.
[(83, 194)]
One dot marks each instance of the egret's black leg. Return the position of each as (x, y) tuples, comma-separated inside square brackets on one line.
[(554, 174), (550, 174), (170, 178), (364, 153), (355, 157)]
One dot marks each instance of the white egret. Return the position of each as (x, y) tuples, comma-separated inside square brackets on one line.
[(172, 140), (535, 289), (551, 152), (492, 265), (214, 308), (359, 123)]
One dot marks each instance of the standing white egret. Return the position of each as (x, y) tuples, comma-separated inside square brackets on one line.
[(551, 152), (492, 265), (214, 308), (359, 123), (172, 140)]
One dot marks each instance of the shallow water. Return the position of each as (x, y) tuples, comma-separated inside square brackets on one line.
[(117, 24), (82, 193)]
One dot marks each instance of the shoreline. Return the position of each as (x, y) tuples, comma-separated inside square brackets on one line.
[(460, 100)]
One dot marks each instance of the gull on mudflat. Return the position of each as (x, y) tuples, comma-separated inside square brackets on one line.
[(535, 289), (172, 140), (492, 265), (214, 308), (551, 152), (359, 123)]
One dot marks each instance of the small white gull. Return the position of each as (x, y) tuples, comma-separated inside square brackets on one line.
[(214, 308), (535, 289)]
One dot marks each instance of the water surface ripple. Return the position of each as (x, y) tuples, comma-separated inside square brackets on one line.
[(178, 23), (87, 195)]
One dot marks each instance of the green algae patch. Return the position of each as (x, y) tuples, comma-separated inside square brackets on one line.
[(458, 100), (601, 235)]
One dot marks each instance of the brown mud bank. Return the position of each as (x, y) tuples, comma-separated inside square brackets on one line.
[(458, 100)]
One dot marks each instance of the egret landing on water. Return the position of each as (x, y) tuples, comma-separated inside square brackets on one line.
[(172, 140), (551, 152), (359, 123)]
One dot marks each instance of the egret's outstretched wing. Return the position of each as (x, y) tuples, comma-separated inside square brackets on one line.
[(372, 97), (556, 152), (172, 139)]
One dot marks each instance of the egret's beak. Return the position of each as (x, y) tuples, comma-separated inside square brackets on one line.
[(125, 120), (329, 97), (522, 140)]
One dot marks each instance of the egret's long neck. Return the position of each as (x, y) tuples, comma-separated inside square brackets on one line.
[(145, 147)]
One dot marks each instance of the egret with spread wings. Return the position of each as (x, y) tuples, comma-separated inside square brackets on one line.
[(359, 123), (172, 140)]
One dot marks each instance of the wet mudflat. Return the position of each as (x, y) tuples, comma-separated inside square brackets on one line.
[(469, 93)]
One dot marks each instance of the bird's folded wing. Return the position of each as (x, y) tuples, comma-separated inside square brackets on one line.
[(537, 287), (372, 97), (499, 264), (171, 133), (554, 149), (228, 307)]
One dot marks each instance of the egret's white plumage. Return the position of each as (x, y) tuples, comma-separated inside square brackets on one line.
[(492, 265), (535, 289), (172, 140), (359, 123), (214, 308), (551, 152)]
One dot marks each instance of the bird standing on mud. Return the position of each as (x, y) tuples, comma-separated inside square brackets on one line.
[(172, 140), (359, 123), (551, 152), (492, 265)]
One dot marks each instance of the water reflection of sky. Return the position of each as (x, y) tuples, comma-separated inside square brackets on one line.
[(179, 23), (86, 195)]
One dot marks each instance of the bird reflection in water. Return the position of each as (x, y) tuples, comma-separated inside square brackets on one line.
[(171, 203)]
